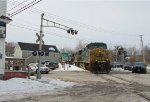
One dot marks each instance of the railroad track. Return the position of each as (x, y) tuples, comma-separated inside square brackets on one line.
[(115, 79)]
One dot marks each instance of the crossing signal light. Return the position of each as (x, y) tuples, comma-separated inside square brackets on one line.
[(46, 53), (68, 31), (34, 53), (41, 53), (72, 31), (76, 32)]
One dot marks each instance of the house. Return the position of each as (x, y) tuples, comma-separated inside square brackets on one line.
[(25, 50)]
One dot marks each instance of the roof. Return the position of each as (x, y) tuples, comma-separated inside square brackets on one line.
[(97, 44), (35, 47)]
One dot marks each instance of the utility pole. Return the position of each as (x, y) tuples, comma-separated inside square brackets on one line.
[(142, 48), (40, 45), (40, 40)]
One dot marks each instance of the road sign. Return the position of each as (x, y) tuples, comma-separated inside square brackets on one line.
[(38, 40)]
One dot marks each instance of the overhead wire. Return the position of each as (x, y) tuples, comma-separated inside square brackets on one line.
[(37, 11), (24, 7), (17, 5), (76, 23), (50, 33), (34, 30), (60, 36)]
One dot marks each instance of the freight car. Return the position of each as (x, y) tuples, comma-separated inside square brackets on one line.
[(94, 57)]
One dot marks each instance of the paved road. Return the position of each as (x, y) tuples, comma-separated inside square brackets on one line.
[(114, 87)]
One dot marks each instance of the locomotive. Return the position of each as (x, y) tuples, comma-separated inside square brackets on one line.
[(94, 57)]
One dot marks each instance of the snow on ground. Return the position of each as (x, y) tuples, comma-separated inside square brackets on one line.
[(148, 68), (68, 67), (19, 86)]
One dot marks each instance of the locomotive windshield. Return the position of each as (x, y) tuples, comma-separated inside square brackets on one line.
[(96, 45)]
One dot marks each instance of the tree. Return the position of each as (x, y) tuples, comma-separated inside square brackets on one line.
[(80, 46), (147, 54), (9, 48), (120, 53)]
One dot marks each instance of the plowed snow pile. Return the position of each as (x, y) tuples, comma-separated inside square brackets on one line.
[(68, 67)]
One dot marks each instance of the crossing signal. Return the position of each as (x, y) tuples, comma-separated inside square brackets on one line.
[(41, 53), (46, 53), (72, 31), (34, 53)]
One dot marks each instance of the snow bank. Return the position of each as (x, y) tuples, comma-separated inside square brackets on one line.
[(68, 67), (148, 68), (21, 86)]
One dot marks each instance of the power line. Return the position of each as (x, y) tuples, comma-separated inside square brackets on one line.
[(25, 7), (86, 26), (49, 33), (60, 36), (17, 5)]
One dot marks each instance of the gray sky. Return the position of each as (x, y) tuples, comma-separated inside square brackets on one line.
[(110, 21)]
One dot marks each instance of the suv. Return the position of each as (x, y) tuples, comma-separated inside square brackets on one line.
[(139, 67), (43, 69)]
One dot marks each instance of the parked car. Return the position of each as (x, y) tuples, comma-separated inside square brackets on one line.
[(43, 68), (51, 65), (30, 70), (118, 66), (127, 67), (139, 67)]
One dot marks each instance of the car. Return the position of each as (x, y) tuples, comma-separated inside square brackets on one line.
[(127, 67), (139, 67), (29, 70), (43, 68), (51, 65)]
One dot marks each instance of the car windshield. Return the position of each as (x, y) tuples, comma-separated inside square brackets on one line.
[(41, 65), (139, 63)]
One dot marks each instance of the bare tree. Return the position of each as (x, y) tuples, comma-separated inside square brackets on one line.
[(147, 54), (80, 46), (9, 48)]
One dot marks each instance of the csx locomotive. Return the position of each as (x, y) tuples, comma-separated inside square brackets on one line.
[(94, 57)]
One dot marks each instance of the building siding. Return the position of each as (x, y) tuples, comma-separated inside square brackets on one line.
[(2, 40), (18, 52)]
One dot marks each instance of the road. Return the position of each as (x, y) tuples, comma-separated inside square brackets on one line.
[(114, 87)]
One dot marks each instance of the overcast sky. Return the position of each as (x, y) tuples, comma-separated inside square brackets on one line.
[(115, 22)]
